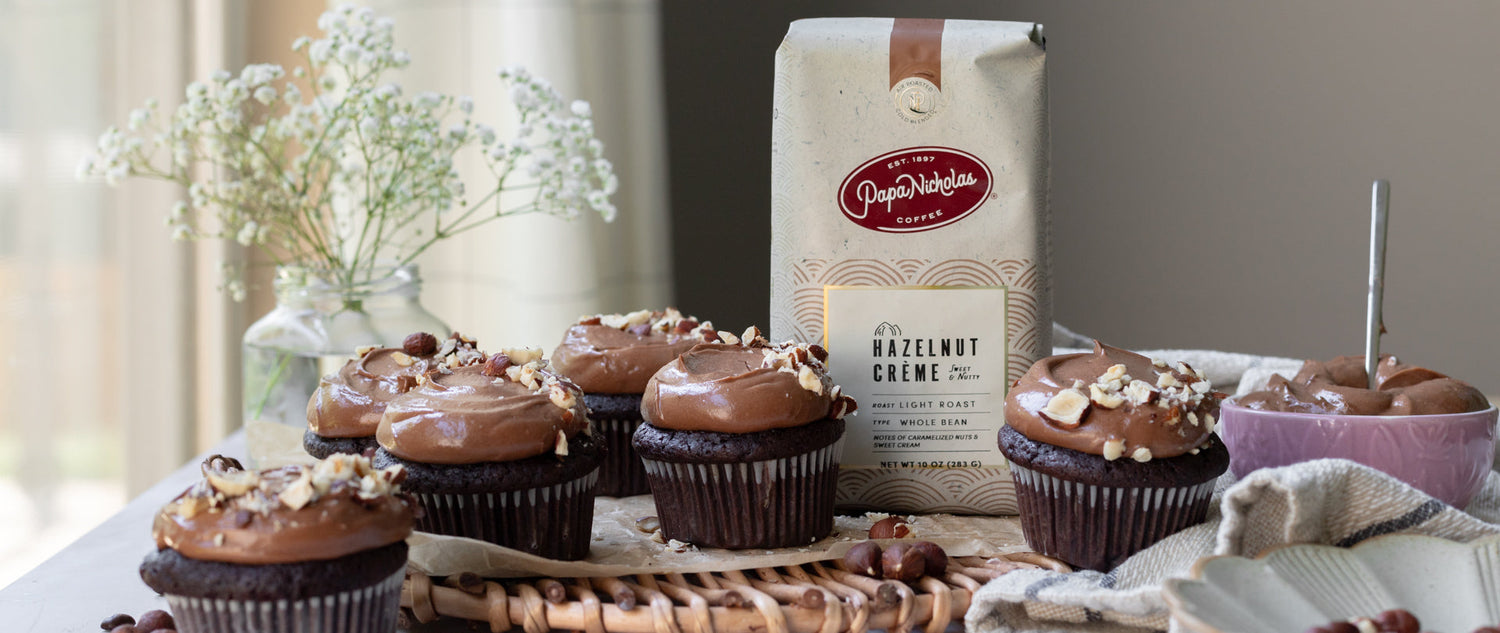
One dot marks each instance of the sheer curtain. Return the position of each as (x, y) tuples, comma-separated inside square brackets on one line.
[(119, 357), (522, 280)]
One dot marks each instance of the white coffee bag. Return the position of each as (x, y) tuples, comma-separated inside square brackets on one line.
[(910, 237)]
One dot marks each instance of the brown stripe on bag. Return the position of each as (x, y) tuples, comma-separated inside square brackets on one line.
[(917, 50)]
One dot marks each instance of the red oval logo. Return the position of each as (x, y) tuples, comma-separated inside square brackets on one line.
[(915, 189)]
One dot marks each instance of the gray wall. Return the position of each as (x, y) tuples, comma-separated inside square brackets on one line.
[(1211, 167)]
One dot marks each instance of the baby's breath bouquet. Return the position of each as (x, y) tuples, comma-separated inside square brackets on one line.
[(342, 180), (335, 168)]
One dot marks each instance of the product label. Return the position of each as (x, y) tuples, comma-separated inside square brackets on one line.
[(926, 364), (915, 189)]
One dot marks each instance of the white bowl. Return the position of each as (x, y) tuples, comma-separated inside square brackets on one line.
[(1453, 587)]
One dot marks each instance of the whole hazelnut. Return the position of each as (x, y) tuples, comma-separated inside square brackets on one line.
[(419, 344), (936, 558), (903, 562), (117, 620), (1398, 621), (153, 620), (890, 527), (496, 365), (864, 559)]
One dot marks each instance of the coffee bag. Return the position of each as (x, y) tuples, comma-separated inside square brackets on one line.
[(910, 238)]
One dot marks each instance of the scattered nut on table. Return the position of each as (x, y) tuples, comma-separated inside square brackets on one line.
[(890, 527)]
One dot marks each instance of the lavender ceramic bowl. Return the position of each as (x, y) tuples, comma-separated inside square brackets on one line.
[(1446, 456)]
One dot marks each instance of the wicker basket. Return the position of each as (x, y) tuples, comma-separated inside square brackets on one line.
[(812, 598)]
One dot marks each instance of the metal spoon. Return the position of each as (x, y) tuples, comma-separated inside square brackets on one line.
[(1380, 202)]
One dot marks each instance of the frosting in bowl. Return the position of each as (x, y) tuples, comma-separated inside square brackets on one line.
[(337, 507), (349, 402), (618, 353), (1340, 386), (743, 385), (510, 408), (1114, 403)]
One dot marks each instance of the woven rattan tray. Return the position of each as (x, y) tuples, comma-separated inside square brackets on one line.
[(812, 598)]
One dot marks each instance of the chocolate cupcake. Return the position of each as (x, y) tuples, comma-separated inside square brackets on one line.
[(1111, 452), (345, 410), (611, 357), (298, 548), (498, 452), (741, 443)]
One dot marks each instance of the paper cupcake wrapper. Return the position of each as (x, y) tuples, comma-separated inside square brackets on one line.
[(765, 504), (368, 610), (622, 473), (549, 521), (1097, 527)]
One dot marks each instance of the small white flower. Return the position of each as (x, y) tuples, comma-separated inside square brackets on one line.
[(181, 233), (581, 108), (85, 167), (301, 43), (466, 104), (220, 76), (265, 95)]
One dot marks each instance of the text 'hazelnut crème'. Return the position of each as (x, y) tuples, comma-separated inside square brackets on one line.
[(1340, 386), (511, 407), (349, 402), (1114, 403), (743, 384), (618, 353), (336, 507)]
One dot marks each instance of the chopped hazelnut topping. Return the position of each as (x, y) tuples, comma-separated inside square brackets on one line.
[(1141, 454), (1105, 399), (809, 380), (1113, 449), (1066, 408)]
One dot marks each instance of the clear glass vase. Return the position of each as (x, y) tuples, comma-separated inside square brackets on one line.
[(316, 326)]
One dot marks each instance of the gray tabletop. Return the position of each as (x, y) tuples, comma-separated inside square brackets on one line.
[(97, 575)]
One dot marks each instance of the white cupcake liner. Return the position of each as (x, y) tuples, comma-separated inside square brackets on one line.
[(769, 503), (369, 609), (1096, 527), (550, 521)]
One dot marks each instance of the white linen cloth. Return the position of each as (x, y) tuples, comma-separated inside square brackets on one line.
[(1329, 501)]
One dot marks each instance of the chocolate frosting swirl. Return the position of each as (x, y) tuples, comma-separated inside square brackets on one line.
[(1339, 386), (615, 353), (349, 402), (481, 414), (337, 507), (743, 387), (1114, 403)]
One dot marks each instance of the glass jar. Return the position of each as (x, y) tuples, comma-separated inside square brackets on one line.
[(316, 326)]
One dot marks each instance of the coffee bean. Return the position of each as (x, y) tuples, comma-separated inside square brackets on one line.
[(116, 620)]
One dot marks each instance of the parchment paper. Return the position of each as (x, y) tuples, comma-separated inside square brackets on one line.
[(619, 548)]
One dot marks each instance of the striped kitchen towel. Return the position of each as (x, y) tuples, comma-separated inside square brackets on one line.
[(1328, 501)]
